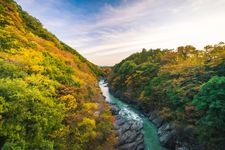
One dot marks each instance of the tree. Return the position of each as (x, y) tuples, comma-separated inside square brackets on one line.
[(211, 96), (211, 100), (127, 67), (186, 51)]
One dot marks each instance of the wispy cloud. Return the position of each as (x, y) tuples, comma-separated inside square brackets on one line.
[(115, 31)]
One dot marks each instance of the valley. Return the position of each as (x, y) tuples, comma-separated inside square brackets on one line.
[(53, 98)]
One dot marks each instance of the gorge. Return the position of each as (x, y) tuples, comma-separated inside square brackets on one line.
[(127, 113), (53, 98)]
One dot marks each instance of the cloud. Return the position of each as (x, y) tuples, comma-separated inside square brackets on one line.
[(115, 31)]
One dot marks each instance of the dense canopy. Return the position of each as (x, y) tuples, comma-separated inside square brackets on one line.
[(49, 96), (185, 85)]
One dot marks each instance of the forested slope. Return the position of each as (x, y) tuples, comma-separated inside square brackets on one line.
[(186, 86), (49, 95)]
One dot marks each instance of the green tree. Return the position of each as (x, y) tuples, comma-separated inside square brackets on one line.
[(127, 67), (29, 116), (211, 100)]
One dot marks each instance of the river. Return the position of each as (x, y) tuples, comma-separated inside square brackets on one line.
[(151, 139)]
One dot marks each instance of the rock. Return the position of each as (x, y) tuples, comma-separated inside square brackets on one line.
[(115, 110), (140, 139), (140, 142), (125, 127), (128, 146), (182, 148), (152, 116), (158, 122), (167, 139), (129, 133), (117, 117), (120, 121), (140, 147), (136, 126), (130, 136), (165, 127)]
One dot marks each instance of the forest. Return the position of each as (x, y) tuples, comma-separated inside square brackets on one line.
[(186, 86), (49, 94)]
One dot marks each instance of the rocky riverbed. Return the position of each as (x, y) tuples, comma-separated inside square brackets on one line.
[(129, 132)]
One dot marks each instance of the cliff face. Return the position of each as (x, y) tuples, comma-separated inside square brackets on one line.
[(182, 87), (49, 95)]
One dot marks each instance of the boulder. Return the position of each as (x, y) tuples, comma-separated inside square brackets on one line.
[(140, 147), (130, 133), (140, 142), (140, 139), (157, 122), (115, 110), (128, 146), (120, 121), (164, 128), (124, 127), (137, 126), (167, 139), (127, 137), (152, 116)]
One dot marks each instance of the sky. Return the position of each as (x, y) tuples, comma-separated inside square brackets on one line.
[(107, 31)]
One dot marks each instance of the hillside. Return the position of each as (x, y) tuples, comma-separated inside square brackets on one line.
[(185, 86), (49, 94)]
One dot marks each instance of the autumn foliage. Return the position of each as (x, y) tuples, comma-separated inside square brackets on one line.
[(49, 95)]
